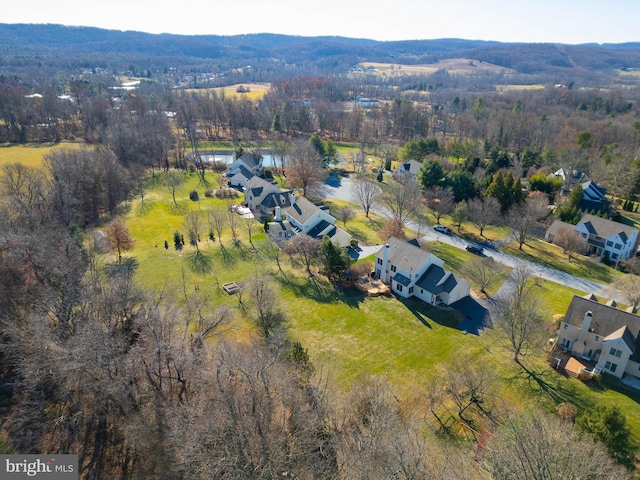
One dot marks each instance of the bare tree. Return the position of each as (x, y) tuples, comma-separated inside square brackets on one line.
[(304, 248), (484, 272), (403, 198), (483, 212), (304, 168), (629, 286), (249, 226), (264, 304), (440, 201), (365, 191), (517, 319), (119, 237), (344, 214), (526, 447), (570, 241), (193, 224), (233, 218), (523, 217), (173, 179), (217, 219), (392, 228), (280, 146)]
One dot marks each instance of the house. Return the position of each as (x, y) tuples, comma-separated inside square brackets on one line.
[(247, 161), (414, 272), (602, 334), (239, 178), (408, 169), (303, 216), (604, 237), (594, 198), (262, 197)]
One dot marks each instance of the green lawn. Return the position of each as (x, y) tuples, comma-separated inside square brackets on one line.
[(348, 335), (545, 253), (30, 155)]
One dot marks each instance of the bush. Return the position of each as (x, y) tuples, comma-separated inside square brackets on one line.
[(193, 195), (208, 193)]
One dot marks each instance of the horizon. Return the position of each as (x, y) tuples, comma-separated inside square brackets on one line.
[(570, 22)]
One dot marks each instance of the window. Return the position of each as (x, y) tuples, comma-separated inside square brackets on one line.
[(379, 261), (399, 287), (393, 268), (609, 243), (618, 246), (597, 338), (610, 366), (565, 326), (615, 353), (421, 291), (411, 290)]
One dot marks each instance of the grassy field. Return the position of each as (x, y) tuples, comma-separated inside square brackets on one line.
[(30, 155), (255, 93), (350, 336), (545, 253), (456, 66), (518, 88)]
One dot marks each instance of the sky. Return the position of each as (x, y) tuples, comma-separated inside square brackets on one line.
[(558, 21)]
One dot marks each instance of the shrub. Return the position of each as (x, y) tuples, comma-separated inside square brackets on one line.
[(193, 195), (208, 193)]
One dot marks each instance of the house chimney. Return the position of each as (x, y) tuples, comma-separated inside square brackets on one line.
[(292, 198), (278, 215), (384, 271), (586, 321)]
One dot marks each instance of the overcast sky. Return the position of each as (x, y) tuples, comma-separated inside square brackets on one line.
[(562, 21)]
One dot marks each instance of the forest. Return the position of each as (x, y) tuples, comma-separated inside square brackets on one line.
[(147, 382)]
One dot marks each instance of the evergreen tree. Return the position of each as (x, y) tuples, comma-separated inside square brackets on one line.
[(334, 260)]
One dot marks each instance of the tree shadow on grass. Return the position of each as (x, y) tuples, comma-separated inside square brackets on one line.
[(228, 259), (548, 383), (177, 209), (321, 290), (143, 208), (199, 262)]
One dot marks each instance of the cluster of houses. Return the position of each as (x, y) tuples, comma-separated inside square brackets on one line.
[(409, 270)]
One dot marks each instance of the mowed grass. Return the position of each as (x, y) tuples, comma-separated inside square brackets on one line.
[(256, 91), (456, 66), (29, 155), (350, 336), (545, 253)]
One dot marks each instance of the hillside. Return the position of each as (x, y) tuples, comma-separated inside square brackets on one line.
[(24, 45)]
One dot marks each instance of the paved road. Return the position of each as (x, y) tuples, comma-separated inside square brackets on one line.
[(341, 189)]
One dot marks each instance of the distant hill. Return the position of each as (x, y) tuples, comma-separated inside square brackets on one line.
[(21, 44)]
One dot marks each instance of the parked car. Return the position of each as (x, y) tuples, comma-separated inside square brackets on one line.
[(474, 249), (442, 229)]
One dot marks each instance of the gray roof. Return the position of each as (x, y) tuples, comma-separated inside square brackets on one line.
[(404, 255), (259, 187), (431, 279), (302, 210), (558, 225), (250, 160), (605, 228), (402, 280), (606, 321)]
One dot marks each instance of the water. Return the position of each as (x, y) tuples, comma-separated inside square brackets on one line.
[(267, 160)]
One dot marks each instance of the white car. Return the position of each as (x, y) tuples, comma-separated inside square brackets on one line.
[(441, 229)]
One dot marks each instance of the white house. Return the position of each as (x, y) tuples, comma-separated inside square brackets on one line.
[(603, 236), (262, 197), (303, 216), (247, 161), (414, 272), (603, 334), (408, 169)]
